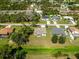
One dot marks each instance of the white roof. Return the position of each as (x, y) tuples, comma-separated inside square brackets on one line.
[(76, 4), (43, 26), (9, 26), (68, 17)]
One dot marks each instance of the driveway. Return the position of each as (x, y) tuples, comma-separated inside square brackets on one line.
[(56, 24), (72, 21), (72, 37)]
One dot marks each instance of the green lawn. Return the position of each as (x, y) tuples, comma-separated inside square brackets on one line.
[(42, 22), (3, 41), (44, 44), (67, 49), (63, 21)]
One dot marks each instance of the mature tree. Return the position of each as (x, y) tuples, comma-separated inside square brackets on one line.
[(22, 36), (20, 54), (68, 58), (62, 39), (49, 9), (57, 54), (26, 30), (54, 39), (18, 38), (6, 52), (77, 55), (35, 18), (8, 5)]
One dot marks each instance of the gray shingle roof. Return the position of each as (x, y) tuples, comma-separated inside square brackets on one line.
[(55, 18), (58, 31)]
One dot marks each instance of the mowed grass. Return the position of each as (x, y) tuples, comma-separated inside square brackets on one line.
[(42, 47), (3, 41), (63, 21), (44, 44), (67, 49), (41, 41), (42, 22)]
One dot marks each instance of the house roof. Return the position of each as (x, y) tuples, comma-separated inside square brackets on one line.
[(40, 31), (58, 31), (6, 30), (56, 18), (72, 29), (68, 17), (46, 17)]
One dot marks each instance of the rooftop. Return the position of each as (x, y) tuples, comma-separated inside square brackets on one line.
[(40, 31), (6, 30), (56, 18), (58, 31), (46, 17), (72, 29)]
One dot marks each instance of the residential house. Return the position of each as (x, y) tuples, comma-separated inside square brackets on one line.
[(74, 31), (64, 9), (45, 18), (68, 17), (5, 32), (56, 17), (58, 31), (40, 32)]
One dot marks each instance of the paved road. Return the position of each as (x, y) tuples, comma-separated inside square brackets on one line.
[(4, 24), (14, 11)]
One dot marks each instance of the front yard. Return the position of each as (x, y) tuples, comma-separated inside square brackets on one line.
[(45, 41), (42, 47), (63, 21)]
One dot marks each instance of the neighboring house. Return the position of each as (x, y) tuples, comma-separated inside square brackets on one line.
[(74, 31), (45, 18), (38, 11), (68, 17), (56, 17), (64, 9), (5, 32), (58, 31), (40, 32), (43, 26), (76, 5)]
